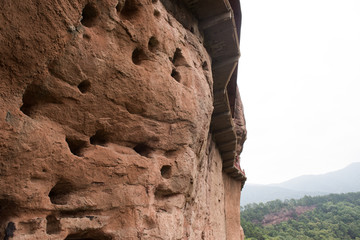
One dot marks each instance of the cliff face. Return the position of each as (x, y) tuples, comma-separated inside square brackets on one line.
[(105, 120)]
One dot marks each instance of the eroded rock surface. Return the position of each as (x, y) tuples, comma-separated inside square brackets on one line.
[(104, 124)]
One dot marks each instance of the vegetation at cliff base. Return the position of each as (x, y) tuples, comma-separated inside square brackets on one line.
[(334, 216)]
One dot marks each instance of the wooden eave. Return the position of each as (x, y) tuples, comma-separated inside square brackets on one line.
[(221, 36)]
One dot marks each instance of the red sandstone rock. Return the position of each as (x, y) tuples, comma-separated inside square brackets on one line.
[(104, 125)]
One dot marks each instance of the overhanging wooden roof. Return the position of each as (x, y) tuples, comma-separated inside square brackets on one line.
[(220, 20)]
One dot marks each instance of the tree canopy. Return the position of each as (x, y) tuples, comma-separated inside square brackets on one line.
[(334, 216)]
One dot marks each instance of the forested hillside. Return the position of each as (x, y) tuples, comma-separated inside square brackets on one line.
[(334, 216)]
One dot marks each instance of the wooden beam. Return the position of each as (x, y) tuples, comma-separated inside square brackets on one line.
[(207, 23)]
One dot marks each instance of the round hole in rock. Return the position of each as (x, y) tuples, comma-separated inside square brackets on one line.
[(84, 86), (153, 44), (138, 56), (143, 149), (76, 146), (176, 75), (118, 7), (100, 138), (89, 15), (34, 95), (166, 171), (87, 37), (135, 108), (162, 191), (59, 194), (52, 225), (8, 208), (30, 99), (205, 66), (130, 8), (170, 153), (156, 13), (178, 58)]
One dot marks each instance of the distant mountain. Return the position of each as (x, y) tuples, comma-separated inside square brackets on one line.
[(263, 193), (341, 181)]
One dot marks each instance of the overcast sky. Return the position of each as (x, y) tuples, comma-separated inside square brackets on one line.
[(299, 79)]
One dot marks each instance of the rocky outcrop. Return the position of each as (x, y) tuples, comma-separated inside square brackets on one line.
[(285, 215), (105, 118)]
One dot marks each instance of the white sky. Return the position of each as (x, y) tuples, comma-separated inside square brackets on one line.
[(299, 79)]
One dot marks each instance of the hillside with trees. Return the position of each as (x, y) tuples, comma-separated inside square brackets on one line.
[(334, 216)]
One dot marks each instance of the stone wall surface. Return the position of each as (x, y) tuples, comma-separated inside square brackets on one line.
[(104, 124)]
